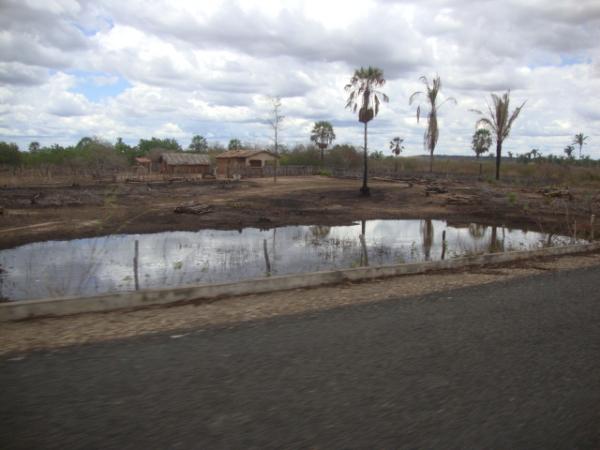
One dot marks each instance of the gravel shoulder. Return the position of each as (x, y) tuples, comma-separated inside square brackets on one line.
[(49, 333)]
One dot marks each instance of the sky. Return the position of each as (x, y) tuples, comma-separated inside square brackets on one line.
[(174, 69)]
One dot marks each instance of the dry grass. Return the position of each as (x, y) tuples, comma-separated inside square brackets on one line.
[(510, 170)]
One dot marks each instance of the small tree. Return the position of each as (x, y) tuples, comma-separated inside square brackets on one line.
[(10, 154), (198, 144), (322, 134), (499, 121), (569, 149), (396, 147), (482, 141), (234, 144), (34, 146), (579, 140), (168, 144)]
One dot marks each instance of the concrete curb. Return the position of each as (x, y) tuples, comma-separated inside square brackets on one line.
[(73, 305)]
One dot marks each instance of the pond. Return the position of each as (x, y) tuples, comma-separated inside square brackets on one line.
[(84, 267)]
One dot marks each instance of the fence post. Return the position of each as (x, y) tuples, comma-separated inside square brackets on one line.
[(268, 263), (135, 265), (443, 244), (592, 220)]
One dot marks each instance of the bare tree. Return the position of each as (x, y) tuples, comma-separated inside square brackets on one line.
[(275, 122)]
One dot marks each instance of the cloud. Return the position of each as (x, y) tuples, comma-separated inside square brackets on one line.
[(112, 68)]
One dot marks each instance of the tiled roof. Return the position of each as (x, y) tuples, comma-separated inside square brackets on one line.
[(185, 159), (243, 153)]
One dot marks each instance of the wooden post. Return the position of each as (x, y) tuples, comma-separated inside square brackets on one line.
[(268, 263), (574, 231), (443, 244), (363, 244), (136, 265), (592, 220)]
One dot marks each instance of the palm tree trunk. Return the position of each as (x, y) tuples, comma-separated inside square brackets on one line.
[(364, 190), (430, 160), (498, 157)]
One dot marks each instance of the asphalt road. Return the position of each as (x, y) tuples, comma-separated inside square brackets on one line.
[(508, 365)]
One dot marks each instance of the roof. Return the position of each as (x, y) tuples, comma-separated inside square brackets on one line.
[(185, 159), (142, 160), (244, 153)]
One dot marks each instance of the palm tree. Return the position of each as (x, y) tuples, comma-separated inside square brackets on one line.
[(365, 98), (482, 141), (322, 134), (396, 147), (432, 133), (580, 140), (569, 149), (499, 121)]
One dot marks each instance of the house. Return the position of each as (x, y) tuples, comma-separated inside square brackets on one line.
[(180, 163), (244, 161), (143, 165)]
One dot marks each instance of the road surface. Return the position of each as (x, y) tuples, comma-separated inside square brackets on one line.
[(507, 365)]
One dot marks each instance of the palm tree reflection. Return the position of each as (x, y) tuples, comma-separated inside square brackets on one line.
[(427, 235)]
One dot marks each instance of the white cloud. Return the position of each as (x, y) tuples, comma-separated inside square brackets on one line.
[(204, 67)]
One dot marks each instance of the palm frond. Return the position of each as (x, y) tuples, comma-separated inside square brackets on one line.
[(413, 96)]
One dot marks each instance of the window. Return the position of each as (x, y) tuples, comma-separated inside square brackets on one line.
[(255, 163)]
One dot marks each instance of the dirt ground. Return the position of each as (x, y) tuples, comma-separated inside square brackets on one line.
[(32, 214)]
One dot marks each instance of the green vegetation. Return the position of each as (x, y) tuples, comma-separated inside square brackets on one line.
[(481, 142), (322, 135), (198, 144), (234, 144)]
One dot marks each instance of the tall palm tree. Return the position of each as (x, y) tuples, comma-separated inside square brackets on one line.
[(431, 94), (364, 97), (396, 147), (322, 134), (499, 121), (580, 140)]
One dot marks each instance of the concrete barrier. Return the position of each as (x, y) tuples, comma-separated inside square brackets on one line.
[(74, 305)]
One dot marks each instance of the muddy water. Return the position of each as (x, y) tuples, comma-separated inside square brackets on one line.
[(106, 264)]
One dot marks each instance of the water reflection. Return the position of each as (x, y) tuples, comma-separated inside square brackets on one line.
[(106, 264)]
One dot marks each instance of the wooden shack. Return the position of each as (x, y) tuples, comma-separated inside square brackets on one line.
[(143, 165), (184, 163), (241, 162)]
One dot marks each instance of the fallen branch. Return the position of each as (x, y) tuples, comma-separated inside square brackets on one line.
[(194, 209)]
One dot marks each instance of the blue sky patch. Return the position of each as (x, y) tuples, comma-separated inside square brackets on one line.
[(96, 86)]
